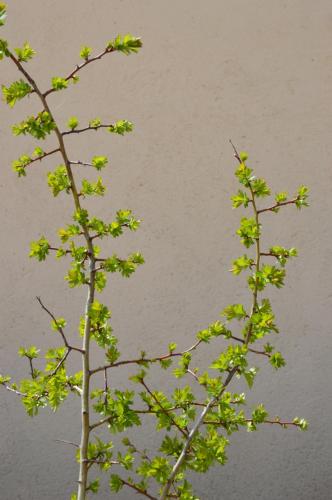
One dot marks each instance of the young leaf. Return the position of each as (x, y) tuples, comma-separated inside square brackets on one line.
[(127, 44), (15, 92), (121, 127), (25, 53), (59, 83), (72, 123), (85, 52)]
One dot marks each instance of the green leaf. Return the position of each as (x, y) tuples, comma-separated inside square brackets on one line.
[(260, 188), (172, 347), (76, 276), (259, 414), (99, 162), (4, 379), (243, 173), (58, 324), (95, 123), (20, 164), (85, 52), (277, 360), (100, 281), (243, 156), (242, 263), (283, 254), (127, 44), (268, 275), (59, 83), (72, 123), (38, 152), (25, 53), (39, 249), (15, 92), (241, 198), (31, 352), (81, 216), (58, 180), (66, 234), (234, 311), (39, 127), (281, 197), (90, 188), (94, 486), (301, 423), (234, 356), (249, 231), (250, 375), (302, 197), (121, 127), (3, 14), (116, 483)]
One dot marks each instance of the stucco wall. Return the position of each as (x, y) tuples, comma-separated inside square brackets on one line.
[(257, 71)]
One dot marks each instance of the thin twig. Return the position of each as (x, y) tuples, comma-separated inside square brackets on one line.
[(140, 361), (67, 442), (61, 362), (138, 490), (80, 130), (277, 205), (81, 163), (164, 410), (19, 393), (40, 158), (81, 66), (59, 328)]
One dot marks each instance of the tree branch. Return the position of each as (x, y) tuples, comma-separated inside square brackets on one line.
[(59, 328), (278, 205), (79, 67), (80, 130), (138, 490), (140, 361), (164, 410)]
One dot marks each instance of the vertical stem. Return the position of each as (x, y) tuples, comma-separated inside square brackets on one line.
[(85, 431), (257, 264)]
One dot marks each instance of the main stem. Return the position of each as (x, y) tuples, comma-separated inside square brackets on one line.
[(85, 430), (85, 417)]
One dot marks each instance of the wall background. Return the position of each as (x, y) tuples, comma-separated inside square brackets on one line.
[(256, 71)]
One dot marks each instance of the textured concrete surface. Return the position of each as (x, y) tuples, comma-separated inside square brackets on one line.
[(257, 71)]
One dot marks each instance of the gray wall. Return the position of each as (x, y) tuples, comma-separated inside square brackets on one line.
[(257, 71)]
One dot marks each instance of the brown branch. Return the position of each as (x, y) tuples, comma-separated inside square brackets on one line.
[(62, 360), (67, 442), (31, 367), (138, 490), (59, 328), (40, 158), (250, 420), (277, 205), (140, 361), (81, 66), (80, 130), (78, 162), (236, 153), (263, 353), (164, 410)]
